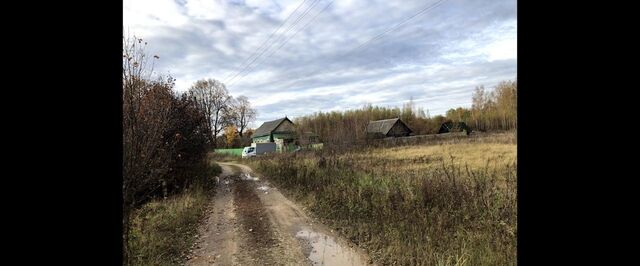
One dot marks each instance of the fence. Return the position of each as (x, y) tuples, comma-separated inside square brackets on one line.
[(234, 152)]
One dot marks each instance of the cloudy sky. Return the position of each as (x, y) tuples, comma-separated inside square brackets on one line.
[(296, 57)]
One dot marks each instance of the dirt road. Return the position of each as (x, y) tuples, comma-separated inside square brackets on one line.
[(250, 222)]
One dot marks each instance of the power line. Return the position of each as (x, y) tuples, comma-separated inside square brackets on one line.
[(293, 24), (388, 30), (271, 44), (301, 17), (286, 40), (270, 36), (379, 36)]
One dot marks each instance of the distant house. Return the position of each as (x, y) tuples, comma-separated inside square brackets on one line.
[(450, 126), (310, 140), (309, 137), (281, 131), (388, 128)]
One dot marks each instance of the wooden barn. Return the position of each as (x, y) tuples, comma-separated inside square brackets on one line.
[(388, 128), (281, 131), (450, 126)]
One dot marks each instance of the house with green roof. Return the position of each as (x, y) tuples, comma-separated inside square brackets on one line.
[(281, 131)]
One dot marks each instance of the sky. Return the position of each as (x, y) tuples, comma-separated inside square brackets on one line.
[(297, 57)]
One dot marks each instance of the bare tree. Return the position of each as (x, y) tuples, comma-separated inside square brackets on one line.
[(241, 114), (212, 96)]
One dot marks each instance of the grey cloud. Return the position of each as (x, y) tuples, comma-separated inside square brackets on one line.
[(436, 59)]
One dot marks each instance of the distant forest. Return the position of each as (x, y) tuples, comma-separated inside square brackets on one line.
[(494, 110)]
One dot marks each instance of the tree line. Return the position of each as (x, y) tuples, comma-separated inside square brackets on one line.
[(494, 110), (490, 111)]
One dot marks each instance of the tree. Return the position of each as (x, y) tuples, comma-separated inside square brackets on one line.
[(212, 96), (459, 114), (241, 114), (408, 112), (477, 100), (506, 103), (230, 134), (190, 137)]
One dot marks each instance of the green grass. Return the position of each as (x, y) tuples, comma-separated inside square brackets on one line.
[(411, 205), (163, 230)]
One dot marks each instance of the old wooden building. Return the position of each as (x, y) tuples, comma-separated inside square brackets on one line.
[(388, 128), (309, 137), (449, 127), (281, 131)]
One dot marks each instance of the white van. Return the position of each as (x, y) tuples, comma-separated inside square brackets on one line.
[(248, 152)]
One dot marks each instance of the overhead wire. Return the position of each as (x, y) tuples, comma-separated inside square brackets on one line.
[(269, 38), (293, 24)]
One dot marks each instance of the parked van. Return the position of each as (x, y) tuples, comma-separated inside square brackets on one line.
[(248, 152), (258, 149)]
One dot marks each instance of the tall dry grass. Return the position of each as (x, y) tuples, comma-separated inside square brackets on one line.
[(411, 205), (163, 230)]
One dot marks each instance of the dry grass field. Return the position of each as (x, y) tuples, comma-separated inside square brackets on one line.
[(429, 204), (423, 157)]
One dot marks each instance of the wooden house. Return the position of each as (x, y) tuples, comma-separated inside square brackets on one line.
[(388, 128), (281, 131)]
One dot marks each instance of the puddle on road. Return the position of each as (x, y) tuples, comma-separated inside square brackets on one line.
[(325, 250), (246, 176)]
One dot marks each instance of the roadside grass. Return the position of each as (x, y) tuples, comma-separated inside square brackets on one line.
[(222, 157), (162, 231), (411, 205)]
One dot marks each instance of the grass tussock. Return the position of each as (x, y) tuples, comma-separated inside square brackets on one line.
[(162, 231), (411, 205)]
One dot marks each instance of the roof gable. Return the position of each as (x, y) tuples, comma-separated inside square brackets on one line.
[(381, 126), (385, 125), (284, 126)]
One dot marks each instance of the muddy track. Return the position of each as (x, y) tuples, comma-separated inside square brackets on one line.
[(250, 222), (260, 241)]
